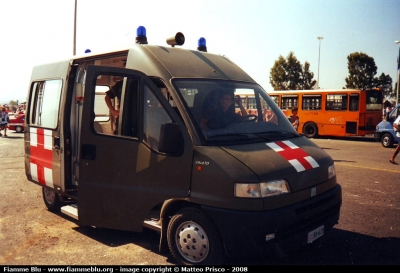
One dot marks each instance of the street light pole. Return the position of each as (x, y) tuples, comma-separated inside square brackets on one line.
[(398, 74), (319, 55), (74, 47)]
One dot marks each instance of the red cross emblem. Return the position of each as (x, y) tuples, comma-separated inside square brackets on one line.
[(296, 156), (41, 157)]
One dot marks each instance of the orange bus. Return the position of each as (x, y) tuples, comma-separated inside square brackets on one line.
[(341, 112)]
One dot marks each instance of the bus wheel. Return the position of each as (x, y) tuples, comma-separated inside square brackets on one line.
[(193, 238), (387, 140), (51, 199), (310, 130)]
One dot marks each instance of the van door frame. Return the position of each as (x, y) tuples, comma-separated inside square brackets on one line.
[(125, 179)]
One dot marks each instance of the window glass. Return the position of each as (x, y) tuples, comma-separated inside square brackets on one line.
[(219, 111), (154, 116), (102, 114), (110, 111), (275, 99), (46, 103), (354, 102), (311, 102), (374, 100), (289, 101), (336, 102)]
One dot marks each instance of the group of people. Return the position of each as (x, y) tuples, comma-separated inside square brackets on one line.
[(4, 120)]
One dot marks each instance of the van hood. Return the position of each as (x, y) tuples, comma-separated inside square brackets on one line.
[(302, 163)]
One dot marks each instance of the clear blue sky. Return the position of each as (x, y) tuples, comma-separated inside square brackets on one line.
[(252, 33)]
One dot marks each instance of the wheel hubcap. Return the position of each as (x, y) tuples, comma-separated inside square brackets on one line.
[(49, 195), (192, 242)]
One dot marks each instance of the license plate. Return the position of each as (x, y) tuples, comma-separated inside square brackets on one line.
[(315, 234)]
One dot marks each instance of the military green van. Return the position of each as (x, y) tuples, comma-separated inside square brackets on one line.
[(172, 147)]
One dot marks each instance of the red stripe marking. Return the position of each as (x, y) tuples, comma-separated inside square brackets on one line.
[(40, 156)]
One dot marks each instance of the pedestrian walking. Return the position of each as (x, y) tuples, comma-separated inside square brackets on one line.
[(396, 128), (4, 119)]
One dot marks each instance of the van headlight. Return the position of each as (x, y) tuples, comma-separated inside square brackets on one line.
[(331, 171), (259, 190)]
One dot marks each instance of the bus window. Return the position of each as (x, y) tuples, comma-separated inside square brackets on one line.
[(354, 102), (374, 100), (336, 102), (275, 99), (289, 101), (311, 102)]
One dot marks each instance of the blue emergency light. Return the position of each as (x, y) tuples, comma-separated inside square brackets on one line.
[(141, 35), (88, 51), (202, 45)]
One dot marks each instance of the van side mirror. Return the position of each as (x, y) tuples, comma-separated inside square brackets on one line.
[(171, 139)]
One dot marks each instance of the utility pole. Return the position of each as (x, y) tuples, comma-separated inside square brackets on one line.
[(319, 55), (398, 74), (74, 47)]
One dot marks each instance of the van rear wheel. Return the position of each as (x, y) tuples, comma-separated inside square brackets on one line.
[(193, 238), (51, 199)]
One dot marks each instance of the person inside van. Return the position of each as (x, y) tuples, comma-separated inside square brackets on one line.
[(114, 94), (270, 116), (224, 113)]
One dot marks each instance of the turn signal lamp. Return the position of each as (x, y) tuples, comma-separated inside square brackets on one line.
[(202, 45), (141, 35)]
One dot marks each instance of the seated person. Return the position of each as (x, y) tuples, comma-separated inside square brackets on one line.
[(270, 116), (223, 114)]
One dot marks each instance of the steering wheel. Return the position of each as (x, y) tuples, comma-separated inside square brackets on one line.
[(248, 118)]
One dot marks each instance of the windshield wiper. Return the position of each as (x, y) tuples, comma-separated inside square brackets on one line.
[(268, 135), (237, 135)]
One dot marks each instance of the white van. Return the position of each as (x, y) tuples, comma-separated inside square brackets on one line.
[(242, 186)]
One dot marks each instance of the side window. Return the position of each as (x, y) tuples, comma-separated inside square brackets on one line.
[(311, 102), (153, 116), (45, 103), (354, 102), (336, 102), (116, 106)]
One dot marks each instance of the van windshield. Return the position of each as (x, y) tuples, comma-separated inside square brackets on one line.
[(233, 112)]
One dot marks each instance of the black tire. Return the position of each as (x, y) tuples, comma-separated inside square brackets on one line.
[(387, 140), (310, 130), (193, 238), (51, 199)]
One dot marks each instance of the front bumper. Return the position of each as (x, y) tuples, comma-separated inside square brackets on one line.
[(244, 233)]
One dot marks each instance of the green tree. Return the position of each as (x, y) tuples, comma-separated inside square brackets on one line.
[(362, 69), (289, 74), (385, 83), (307, 78)]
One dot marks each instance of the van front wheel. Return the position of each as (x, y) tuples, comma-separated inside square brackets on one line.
[(193, 238), (51, 199)]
